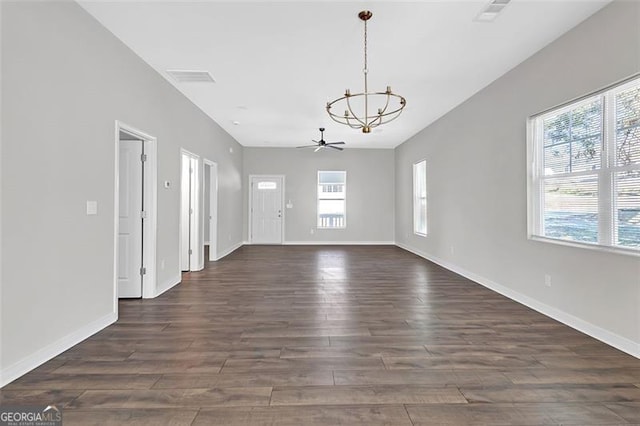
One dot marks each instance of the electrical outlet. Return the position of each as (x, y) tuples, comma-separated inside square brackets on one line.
[(312, 231), (547, 280)]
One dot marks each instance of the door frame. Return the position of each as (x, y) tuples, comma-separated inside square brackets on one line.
[(198, 245), (150, 200), (213, 208), (250, 213)]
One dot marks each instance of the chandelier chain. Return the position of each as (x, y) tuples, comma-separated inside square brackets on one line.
[(365, 46)]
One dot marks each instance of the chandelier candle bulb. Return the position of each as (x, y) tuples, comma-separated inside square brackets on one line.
[(362, 120)]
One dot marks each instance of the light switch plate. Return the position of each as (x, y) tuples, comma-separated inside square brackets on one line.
[(92, 208)]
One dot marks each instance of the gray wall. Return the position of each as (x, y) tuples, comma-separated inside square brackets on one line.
[(65, 80), (476, 172), (370, 174)]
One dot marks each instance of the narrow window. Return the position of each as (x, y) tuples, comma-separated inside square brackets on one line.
[(332, 196), (420, 198)]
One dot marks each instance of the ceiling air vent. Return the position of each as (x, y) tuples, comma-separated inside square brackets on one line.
[(491, 11), (191, 76)]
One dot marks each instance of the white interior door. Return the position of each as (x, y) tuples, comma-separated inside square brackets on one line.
[(266, 209), (196, 248), (130, 219), (185, 212), (190, 247), (211, 208)]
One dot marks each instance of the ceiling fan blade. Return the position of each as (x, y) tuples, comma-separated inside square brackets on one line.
[(318, 149), (306, 146), (313, 140), (335, 143), (335, 147)]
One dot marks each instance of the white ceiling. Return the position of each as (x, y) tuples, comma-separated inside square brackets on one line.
[(276, 64)]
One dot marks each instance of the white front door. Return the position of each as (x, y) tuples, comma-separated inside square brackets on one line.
[(130, 219), (266, 209)]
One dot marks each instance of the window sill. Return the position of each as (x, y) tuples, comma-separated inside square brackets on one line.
[(588, 246), (333, 227), (420, 234)]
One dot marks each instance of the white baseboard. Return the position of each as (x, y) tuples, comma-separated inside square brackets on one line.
[(606, 336), (54, 349), (339, 243), (230, 250)]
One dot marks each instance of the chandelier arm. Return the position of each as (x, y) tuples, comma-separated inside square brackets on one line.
[(373, 124), (353, 126), (386, 105), (351, 111), (392, 117), (381, 112), (342, 120), (337, 119)]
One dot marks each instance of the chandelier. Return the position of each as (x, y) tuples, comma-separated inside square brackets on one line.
[(389, 105)]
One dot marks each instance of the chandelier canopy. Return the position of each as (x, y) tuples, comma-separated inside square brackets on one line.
[(387, 105)]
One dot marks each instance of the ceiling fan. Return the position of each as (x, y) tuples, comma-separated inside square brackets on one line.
[(322, 144)]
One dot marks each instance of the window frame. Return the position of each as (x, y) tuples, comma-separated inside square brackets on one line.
[(318, 199), (416, 198), (605, 173)]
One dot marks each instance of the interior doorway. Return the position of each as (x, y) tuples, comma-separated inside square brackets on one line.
[(190, 241), (210, 210), (135, 213), (266, 210)]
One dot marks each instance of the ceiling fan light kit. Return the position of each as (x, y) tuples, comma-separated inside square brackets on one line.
[(389, 105), (318, 145)]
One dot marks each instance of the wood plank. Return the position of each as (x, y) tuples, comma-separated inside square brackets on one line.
[(130, 417), (175, 398), (419, 377), (142, 367), (373, 394), (512, 414), (588, 362), (353, 352), (560, 376), (84, 381), (630, 411), (552, 393), (379, 415), (194, 354), (253, 379), (61, 398), (330, 363), (495, 362)]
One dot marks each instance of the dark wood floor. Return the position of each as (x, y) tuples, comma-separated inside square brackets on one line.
[(334, 336)]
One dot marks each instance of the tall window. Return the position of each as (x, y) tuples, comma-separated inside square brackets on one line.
[(332, 194), (420, 198), (585, 182)]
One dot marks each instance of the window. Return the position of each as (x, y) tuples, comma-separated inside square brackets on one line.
[(420, 198), (585, 177), (267, 185), (332, 194)]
